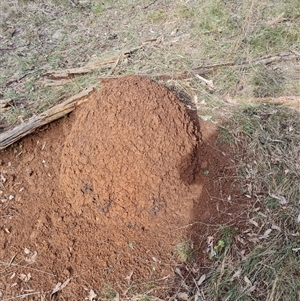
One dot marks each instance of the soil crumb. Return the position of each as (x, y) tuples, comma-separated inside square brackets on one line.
[(101, 198)]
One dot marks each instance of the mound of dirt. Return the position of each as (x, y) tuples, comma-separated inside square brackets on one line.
[(129, 160), (102, 197), (131, 153)]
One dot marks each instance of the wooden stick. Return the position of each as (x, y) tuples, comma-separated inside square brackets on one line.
[(91, 66), (11, 136), (201, 70)]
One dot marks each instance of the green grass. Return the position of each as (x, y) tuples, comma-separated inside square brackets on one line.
[(268, 82), (184, 251)]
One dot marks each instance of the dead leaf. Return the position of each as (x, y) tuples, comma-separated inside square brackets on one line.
[(282, 200), (237, 274), (178, 272), (197, 296), (266, 234), (277, 20), (128, 277), (274, 227), (205, 117), (251, 289), (5, 102), (298, 219), (65, 283), (201, 280), (92, 296), (58, 287), (25, 277), (254, 240), (2, 178), (31, 259), (183, 296), (240, 239), (262, 214), (207, 82), (253, 222), (247, 280)]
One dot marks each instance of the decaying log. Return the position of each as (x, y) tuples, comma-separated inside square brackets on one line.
[(9, 137)]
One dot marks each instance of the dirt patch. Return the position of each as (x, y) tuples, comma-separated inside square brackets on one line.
[(102, 197)]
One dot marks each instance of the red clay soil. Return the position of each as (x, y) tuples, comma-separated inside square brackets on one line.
[(102, 197)]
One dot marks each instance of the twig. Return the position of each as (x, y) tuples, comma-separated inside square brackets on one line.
[(207, 82), (151, 3), (201, 70), (18, 79), (295, 52), (9, 137), (25, 266), (73, 3), (13, 48), (91, 66), (111, 71), (21, 296)]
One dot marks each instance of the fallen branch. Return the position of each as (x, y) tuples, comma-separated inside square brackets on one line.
[(67, 73), (92, 66), (201, 70), (51, 82), (11, 136), (198, 71), (288, 101)]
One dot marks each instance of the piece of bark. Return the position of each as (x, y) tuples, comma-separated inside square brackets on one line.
[(11, 136)]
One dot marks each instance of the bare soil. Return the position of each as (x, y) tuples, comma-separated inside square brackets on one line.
[(103, 196)]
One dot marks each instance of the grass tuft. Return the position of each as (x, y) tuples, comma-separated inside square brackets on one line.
[(268, 82), (184, 251)]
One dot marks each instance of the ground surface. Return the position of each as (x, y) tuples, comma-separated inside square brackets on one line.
[(103, 196)]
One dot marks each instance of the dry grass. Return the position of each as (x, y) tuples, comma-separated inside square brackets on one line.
[(262, 263), (266, 139), (37, 36)]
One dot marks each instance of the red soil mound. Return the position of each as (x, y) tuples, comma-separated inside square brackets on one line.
[(104, 196), (131, 153)]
